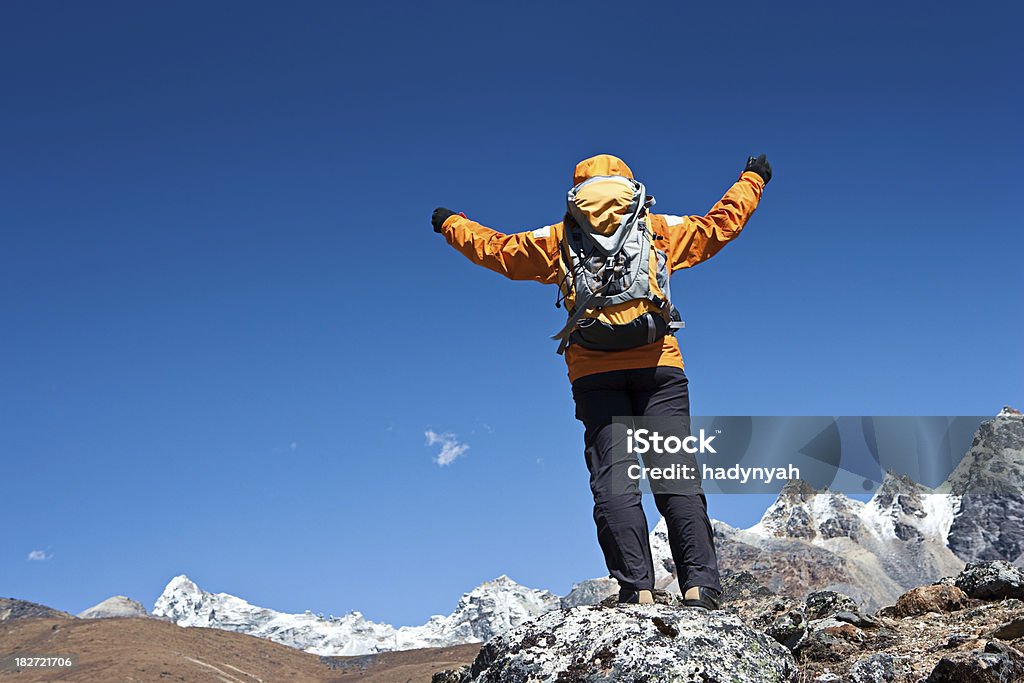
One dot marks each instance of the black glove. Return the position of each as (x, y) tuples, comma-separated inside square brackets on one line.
[(761, 167), (439, 216)]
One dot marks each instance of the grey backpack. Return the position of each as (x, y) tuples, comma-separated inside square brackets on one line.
[(610, 264)]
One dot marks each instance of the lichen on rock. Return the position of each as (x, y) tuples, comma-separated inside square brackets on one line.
[(633, 643)]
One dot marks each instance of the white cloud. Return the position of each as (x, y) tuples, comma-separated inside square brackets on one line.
[(38, 556), (451, 447)]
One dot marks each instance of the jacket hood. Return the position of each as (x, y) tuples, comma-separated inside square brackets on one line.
[(604, 199), (600, 165)]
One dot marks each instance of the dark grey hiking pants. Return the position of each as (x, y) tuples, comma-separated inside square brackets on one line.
[(621, 523)]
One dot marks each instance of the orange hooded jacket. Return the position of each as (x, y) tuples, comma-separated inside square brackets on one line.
[(686, 240)]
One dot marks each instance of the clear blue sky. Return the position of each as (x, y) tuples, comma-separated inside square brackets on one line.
[(227, 325)]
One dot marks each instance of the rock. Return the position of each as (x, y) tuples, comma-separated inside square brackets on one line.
[(788, 629), (821, 604), (633, 643), (877, 668), (778, 616), (997, 648), (994, 580), (11, 608), (957, 639), (590, 592), (855, 618), (460, 675), (1011, 630), (996, 664), (117, 606), (830, 640), (977, 667), (660, 597), (742, 586), (667, 598), (935, 598), (822, 647), (834, 627)]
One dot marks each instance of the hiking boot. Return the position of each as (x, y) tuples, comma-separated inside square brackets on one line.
[(706, 598), (641, 597)]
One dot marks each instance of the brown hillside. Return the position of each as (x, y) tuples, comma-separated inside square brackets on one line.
[(139, 650)]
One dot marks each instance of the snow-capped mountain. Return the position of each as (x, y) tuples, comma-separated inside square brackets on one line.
[(490, 608), (906, 535), (873, 550)]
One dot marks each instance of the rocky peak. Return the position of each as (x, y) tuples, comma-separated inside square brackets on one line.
[(989, 484), (995, 461), (788, 516), (801, 512), (901, 490), (117, 606), (493, 607), (796, 492), (591, 591), (180, 593), (12, 608), (903, 508)]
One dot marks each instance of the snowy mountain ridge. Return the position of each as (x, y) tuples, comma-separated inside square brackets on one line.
[(900, 509), (490, 608)]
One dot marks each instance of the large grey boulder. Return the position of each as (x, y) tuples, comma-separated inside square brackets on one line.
[(995, 580), (876, 668), (997, 663), (630, 644)]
